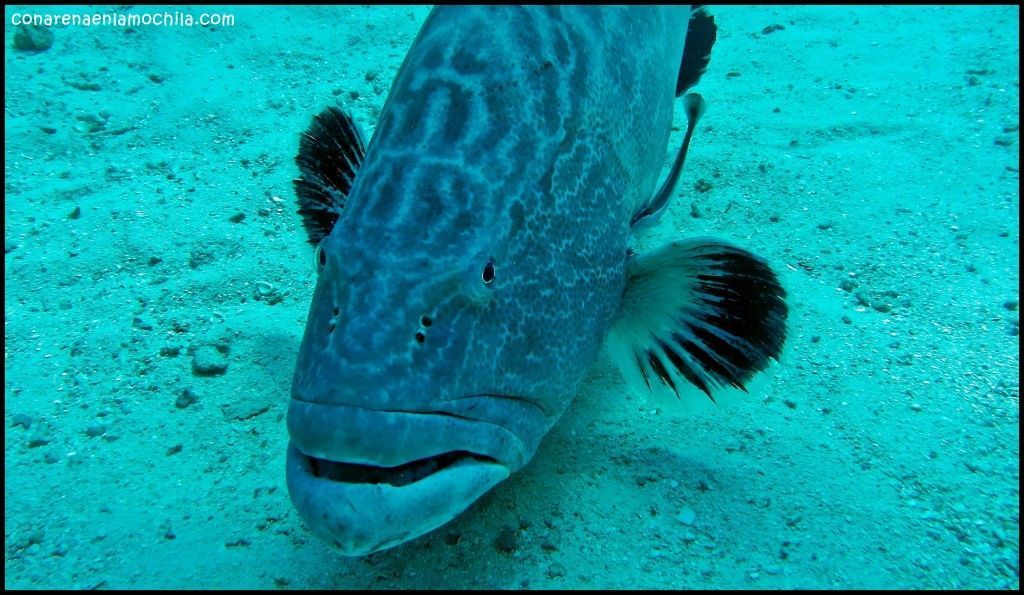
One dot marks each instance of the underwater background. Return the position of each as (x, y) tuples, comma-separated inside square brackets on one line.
[(157, 281)]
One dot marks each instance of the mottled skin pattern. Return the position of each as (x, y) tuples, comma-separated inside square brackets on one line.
[(524, 136)]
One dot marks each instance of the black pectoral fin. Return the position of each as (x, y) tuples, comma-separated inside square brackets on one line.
[(700, 37), (698, 312), (330, 153)]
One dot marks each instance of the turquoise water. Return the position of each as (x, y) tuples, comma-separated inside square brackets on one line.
[(157, 281)]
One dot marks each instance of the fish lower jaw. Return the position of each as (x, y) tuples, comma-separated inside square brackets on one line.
[(361, 509)]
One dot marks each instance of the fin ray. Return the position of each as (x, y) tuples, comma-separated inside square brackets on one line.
[(698, 312)]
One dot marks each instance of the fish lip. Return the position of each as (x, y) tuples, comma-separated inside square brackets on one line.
[(392, 438), (402, 473), (360, 518)]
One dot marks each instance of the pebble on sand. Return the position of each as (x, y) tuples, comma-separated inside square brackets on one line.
[(186, 398), (686, 516), (33, 38), (96, 430), (208, 361), (507, 540)]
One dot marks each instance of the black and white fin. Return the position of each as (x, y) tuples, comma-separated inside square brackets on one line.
[(330, 153), (699, 313), (651, 211), (700, 38)]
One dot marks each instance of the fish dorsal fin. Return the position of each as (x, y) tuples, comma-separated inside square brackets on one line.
[(700, 37), (650, 211), (697, 312), (330, 153)]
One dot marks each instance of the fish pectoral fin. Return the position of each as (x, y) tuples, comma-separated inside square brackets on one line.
[(700, 38), (697, 312), (650, 211), (330, 153)]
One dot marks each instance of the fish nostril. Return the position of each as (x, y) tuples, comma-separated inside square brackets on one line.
[(425, 322)]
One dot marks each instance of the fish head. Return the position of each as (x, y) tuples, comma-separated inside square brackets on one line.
[(419, 383)]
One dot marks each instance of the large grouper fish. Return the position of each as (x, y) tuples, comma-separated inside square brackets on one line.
[(474, 258)]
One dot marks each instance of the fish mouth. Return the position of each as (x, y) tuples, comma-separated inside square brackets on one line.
[(397, 476), (366, 480), (361, 509)]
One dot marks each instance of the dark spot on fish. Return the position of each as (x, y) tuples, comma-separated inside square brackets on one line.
[(465, 62), (497, 109), (554, 13), (458, 115), (517, 214), (432, 193), (464, 220), (580, 74), (433, 58), (552, 114), (386, 196)]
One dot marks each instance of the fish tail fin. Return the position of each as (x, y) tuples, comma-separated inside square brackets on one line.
[(330, 153), (698, 313)]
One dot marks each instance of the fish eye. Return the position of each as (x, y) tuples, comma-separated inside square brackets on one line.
[(488, 274)]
